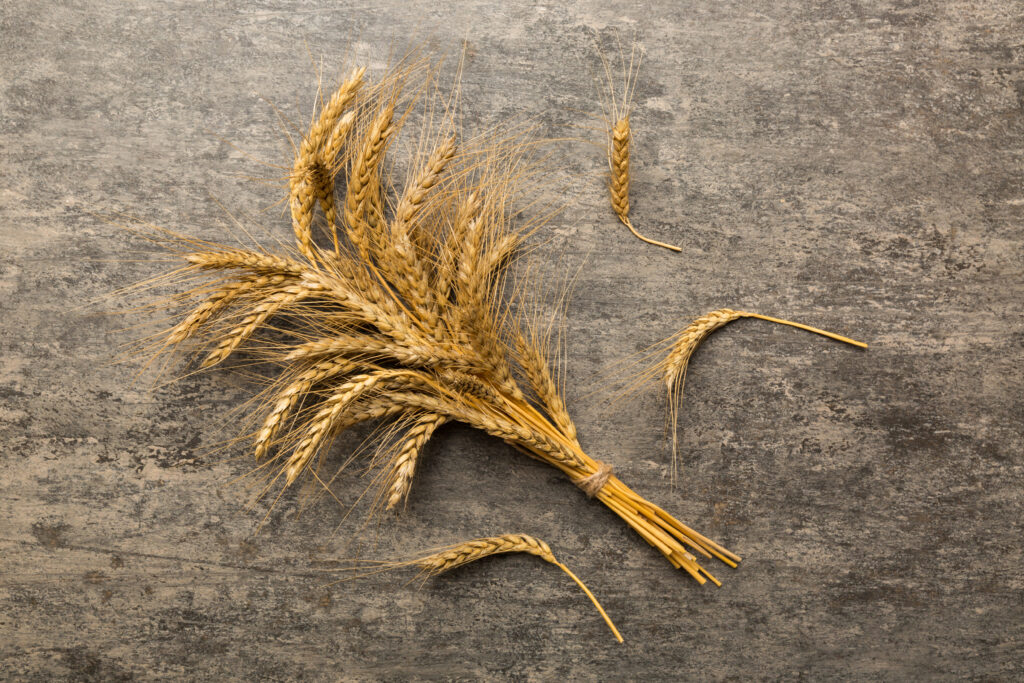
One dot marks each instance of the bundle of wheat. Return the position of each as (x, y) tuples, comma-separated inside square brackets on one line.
[(393, 308)]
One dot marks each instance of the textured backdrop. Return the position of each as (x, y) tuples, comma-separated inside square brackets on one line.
[(857, 166)]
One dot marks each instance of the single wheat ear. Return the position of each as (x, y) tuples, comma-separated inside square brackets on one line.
[(477, 549), (687, 341), (618, 186)]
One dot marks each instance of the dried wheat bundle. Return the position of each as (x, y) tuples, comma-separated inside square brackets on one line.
[(470, 551), (391, 307), (684, 343)]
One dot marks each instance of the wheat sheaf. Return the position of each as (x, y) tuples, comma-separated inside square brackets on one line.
[(390, 307)]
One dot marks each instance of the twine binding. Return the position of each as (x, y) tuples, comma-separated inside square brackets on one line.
[(593, 483)]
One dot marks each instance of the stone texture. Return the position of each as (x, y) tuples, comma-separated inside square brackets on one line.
[(857, 166)]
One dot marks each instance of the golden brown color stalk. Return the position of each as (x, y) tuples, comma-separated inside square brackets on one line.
[(477, 549), (687, 341)]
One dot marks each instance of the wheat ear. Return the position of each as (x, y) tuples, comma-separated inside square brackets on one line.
[(538, 374), (414, 273), (618, 186), (477, 549), (687, 341), (311, 179), (362, 181), (292, 394), (404, 467), (327, 417), (259, 315), (217, 302)]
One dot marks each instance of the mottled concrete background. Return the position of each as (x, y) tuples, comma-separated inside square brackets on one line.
[(854, 165)]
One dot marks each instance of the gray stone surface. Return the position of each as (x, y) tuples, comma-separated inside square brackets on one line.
[(857, 166)]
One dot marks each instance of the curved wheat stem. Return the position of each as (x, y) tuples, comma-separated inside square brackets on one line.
[(471, 551)]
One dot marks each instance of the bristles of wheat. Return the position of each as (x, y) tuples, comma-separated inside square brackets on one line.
[(471, 551), (686, 342), (404, 465), (618, 186)]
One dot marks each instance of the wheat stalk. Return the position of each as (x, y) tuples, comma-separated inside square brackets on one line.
[(686, 342), (477, 549), (620, 137)]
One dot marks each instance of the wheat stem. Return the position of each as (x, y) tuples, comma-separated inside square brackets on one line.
[(471, 551)]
